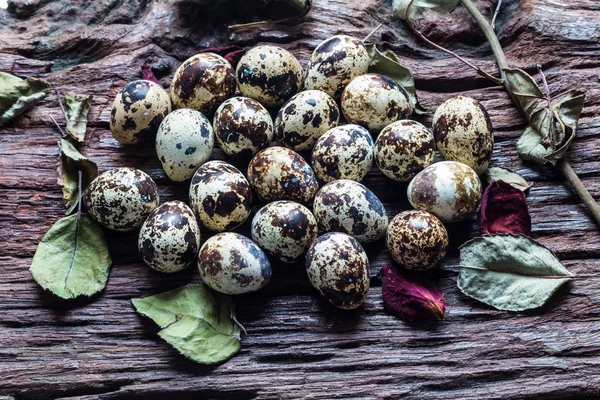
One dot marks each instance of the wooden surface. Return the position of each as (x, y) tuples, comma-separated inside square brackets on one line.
[(297, 346)]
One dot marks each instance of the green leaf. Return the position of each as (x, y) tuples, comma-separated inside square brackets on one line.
[(509, 272), (70, 162), (508, 176), (77, 108), (530, 145), (388, 64), (566, 112), (525, 89), (198, 322), (72, 259), (18, 95), (418, 6)]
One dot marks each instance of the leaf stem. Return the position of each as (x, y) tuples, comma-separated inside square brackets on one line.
[(372, 32), (496, 12), (585, 196), (79, 179), (62, 133), (60, 103)]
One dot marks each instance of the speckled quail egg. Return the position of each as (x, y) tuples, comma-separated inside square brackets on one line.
[(463, 132), (269, 74), (170, 237), (344, 152), (334, 63), (417, 240), (220, 196), (305, 118), (242, 127), (284, 230), (349, 207), (338, 268), (137, 111), (449, 190), (184, 141), (403, 149), (375, 101), (121, 199), (278, 173), (203, 82), (231, 263)]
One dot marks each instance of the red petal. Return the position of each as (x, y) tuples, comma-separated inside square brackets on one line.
[(148, 75), (503, 210)]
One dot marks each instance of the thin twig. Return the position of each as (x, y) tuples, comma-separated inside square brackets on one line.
[(60, 103), (79, 196), (549, 137), (62, 133), (496, 12), (372, 32)]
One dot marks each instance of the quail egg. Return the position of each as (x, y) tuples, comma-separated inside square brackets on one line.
[(344, 152), (231, 263), (121, 199), (417, 240), (184, 141), (137, 111), (338, 268), (349, 207), (269, 74), (278, 173), (403, 149), (203, 82), (334, 63), (284, 230), (220, 196), (243, 127), (375, 101), (170, 237), (305, 118), (449, 190), (463, 132)]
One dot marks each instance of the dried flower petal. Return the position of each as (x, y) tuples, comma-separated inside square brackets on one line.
[(230, 53), (148, 75), (503, 210)]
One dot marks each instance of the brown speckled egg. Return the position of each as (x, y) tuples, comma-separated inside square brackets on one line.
[(231, 263), (305, 118), (203, 82), (169, 239), (334, 63), (137, 111), (278, 173), (242, 127), (463, 132), (269, 74), (220, 196), (121, 199), (417, 240), (403, 149), (449, 190), (184, 141), (284, 230), (344, 152), (349, 207), (338, 268), (375, 101)]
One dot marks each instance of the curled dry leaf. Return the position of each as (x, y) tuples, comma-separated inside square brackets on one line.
[(70, 162), (503, 210), (508, 176), (77, 108), (523, 86), (18, 95), (417, 7)]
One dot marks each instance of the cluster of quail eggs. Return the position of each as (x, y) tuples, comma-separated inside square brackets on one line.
[(308, 182)]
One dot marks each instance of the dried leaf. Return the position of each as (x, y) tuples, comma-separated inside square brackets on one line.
[(196, 321), (72, 259), (230, 53), (410, 296), (418, 6), (77, 108), (530, 145), (566, 112), (148, 75), (503, 210), (70, 162), (18, 95), (525, 89), (509, 272), (508, 176)]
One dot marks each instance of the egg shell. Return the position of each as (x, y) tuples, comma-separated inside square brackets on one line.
[(137, 111), (375, 101), (403, 149), (344, 152), (349, 207), (284, 230), (338, 268), (334, 63), (463, 132), (305, 118), (449, 190), (121, 199), (231, 263), (202, 82), (242, 127), (269, 74), (417, 240), (220, 196), (169, 239), (278, 173), (184, 142)]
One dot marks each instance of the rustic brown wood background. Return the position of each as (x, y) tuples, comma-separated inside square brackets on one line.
[(297, 346)]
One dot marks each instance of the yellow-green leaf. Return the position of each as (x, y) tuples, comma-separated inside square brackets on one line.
[(70, 162), (525, 89), (508, 176), (418, 6), (77, 108), (18, 95)]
